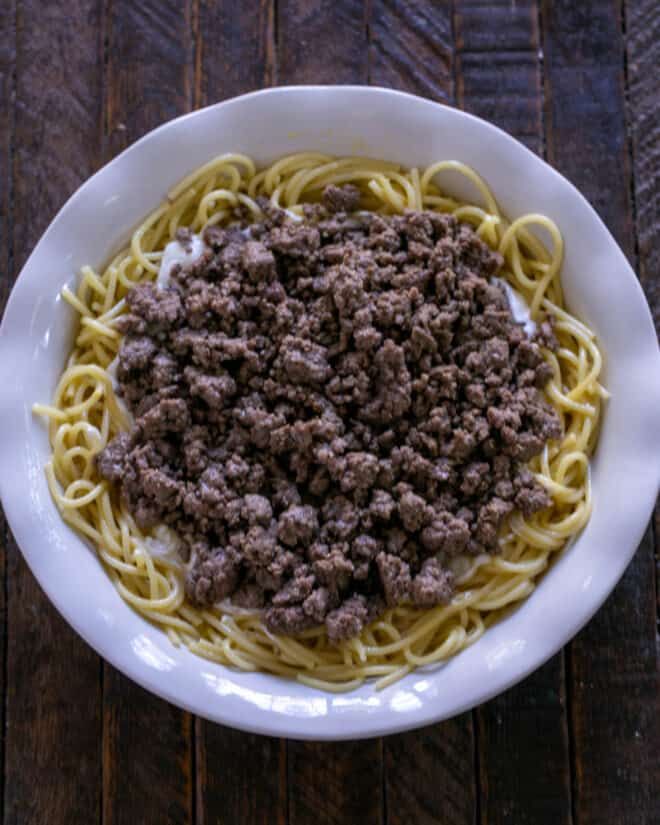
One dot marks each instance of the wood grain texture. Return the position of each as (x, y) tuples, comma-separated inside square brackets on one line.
[(7, 100), (524, 752), (52, 770), (497, 65), (239, 777), (643, 64), (613, 663), (53, 679), (322, 41), (335, 783), (616, 704), (57, 114), (150, 741), (642, 19), (7, 95), (656, 541), (148, 80), (150, 67), (411, 47), (430, 775), (585, 119), (235, 52)]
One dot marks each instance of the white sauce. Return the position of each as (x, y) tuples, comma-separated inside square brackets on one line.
[(175, 253), (111, 369), (519, 308), (164, 545)]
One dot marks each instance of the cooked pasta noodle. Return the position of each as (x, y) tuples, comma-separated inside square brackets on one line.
[(85, 414)]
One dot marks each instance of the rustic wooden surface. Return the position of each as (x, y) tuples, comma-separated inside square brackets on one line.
[(578, 742)]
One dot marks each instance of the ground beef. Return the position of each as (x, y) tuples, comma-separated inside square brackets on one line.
[(111, 461), (327, 411), (432, 585), (341, 198), (214, 574), (349, 619)]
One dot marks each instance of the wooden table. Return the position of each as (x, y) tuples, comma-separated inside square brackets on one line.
[(576, 743)]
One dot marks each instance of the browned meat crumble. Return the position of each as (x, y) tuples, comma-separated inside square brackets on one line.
[(329, 410)]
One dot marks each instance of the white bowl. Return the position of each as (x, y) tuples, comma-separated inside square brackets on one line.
[(600, 287)]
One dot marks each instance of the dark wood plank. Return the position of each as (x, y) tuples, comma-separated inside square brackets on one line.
[(235, 52), (411, 47), (524, 752), (613, 663), (642, 18), (498, 76), (148, 81), (7, 92), (585, 120), (53, 750), (7, 96), (149, 741), (150, 67), (497, 65), (335, 783), (643, 63), (239, 777), (322, 42), (616, 704), (52, 770), (430, 775), (656, 541)]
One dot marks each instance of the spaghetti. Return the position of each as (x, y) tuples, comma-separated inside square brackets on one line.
[(147, 571)]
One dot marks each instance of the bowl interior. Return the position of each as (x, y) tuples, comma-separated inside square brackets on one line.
[(600, 288)]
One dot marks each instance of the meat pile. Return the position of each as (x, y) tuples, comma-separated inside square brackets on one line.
[(328, 410)]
